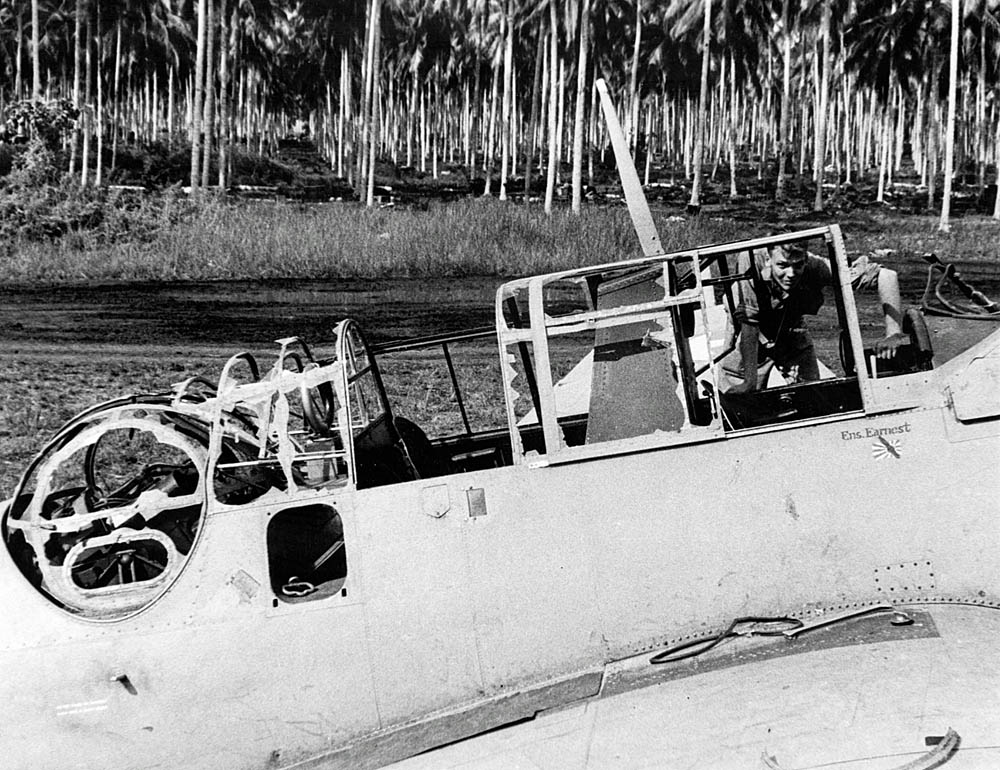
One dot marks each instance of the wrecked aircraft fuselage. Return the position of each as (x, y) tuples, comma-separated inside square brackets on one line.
[(273, 569)]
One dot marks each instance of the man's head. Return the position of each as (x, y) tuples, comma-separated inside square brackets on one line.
[(787, 263)]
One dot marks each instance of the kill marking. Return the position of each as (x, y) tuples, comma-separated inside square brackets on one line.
[(885, 448)]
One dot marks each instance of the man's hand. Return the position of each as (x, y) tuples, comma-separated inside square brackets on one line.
[(748, 385), (886, 347)]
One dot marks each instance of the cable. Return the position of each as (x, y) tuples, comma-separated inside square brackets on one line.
[(695, 647)]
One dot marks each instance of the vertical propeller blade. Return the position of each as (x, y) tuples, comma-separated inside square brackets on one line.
[(638, 208)]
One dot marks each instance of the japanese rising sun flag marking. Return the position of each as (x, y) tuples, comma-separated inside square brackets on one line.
[(885, 447)]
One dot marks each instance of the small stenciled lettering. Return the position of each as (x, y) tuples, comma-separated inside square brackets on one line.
[(869, 432)]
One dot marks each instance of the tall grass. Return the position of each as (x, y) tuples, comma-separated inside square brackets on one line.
[(223, 240), (219, 239)]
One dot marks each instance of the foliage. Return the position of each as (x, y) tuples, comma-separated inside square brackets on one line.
[(45, 121), (39, 203)]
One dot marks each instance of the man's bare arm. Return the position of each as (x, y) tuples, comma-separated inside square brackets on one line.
[(892, 307), (749, 340)]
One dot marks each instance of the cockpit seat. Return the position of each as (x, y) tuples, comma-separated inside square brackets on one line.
[(427, 459), (391, 450)]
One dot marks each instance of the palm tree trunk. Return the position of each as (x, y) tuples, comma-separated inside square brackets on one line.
[(949, 148), (225, 128), (784, 145), (648, 142), (476, 124), (579, 117), (243, 100), (18, 72), (899, 131), (116, 96), (632, 131), (198, 92), (981, 113), (209, 119), (733, 104), (932, 138), (848, 143), (99, 104), (410, 114), (345, 79), (515, 124), (373, 119), (561, 115), (171, 103), (468, 125), (489, 152), (364, 128), (36, 67), (694, 205), (714, 143), (435, 121), (821, 116), (508, 77), (884, 152), (592, 123), (423, 128), (87, 113), (77, 77), (996, 150), (536, 101), (550, 181), (803, 115)]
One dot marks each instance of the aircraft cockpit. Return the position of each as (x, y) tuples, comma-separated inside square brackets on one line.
[(640, 353), (107, 515)]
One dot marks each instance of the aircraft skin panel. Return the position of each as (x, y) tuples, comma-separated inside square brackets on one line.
[(418, 605), (872, 705), (534, 581)]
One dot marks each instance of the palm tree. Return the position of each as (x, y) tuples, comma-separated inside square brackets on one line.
[(581, 94), (900, 50), (198, 98), (208, 121), (77, 75), (373, 119), (694, 205), (550, 180), (784, 141), (739, 26), (9, 43), (949, 157), (819, 160), (633, 92), (508, 85), (36, 65)]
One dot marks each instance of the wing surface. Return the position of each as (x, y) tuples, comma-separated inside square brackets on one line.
[(840, 700)]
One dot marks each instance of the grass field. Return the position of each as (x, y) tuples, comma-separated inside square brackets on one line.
[(220, 240)]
